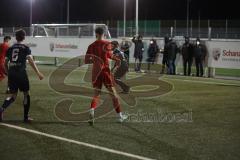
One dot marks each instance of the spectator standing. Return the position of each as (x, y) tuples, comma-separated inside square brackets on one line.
[(165, 55), (120, 72), (187, 54), (153, 49), (138, 52), (172, 50), (199, 54)]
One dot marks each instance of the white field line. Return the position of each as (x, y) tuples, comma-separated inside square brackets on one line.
[(77, 142)]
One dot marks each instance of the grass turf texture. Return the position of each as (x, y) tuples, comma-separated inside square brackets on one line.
[(213, 134)]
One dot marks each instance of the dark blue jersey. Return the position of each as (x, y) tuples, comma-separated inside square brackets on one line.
[(120, 54), (123, 58), (17, 56)]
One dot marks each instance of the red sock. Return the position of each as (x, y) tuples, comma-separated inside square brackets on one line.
[(116, 105), (95, 102)]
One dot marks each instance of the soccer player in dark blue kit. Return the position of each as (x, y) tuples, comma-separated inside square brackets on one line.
[(15, 66), (120, 71)]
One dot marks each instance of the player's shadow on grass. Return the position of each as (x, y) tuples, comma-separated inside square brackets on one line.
[(172, 152)]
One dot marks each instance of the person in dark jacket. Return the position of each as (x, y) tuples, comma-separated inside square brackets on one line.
[(187, 54), (138, 52), (199, 54), (172, 50), (121, 71), (153, 49), (165, 55)]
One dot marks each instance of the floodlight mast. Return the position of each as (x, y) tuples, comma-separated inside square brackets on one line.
[(31, 17), (68, 9), (124, 19), (137, 27)]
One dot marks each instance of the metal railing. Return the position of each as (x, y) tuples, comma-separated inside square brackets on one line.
[(218, 33), (211, 32)]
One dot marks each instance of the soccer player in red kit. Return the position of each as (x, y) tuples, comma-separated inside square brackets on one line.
[(98, 54), (3, 50)]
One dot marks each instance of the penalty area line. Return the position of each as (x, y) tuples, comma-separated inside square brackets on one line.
[(77, 142)]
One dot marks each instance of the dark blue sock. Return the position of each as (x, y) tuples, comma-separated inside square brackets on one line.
[(26, 104), (8, 101)]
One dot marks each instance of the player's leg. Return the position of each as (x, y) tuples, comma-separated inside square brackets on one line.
[(7, 102), (201, 68), (8, 89), (24, 87), (174, 67), (136, 64), (26, 105), (116, 103), (2, 75), (185, 67), (140, 63), (120, 73), (125, 88), (13, 94), (189, 66), (197, 66), (170, 68), (148, 67), (163, 65), (95, 102), (96, 98)]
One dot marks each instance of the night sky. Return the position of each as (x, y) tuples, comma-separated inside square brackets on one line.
[(16, 12)]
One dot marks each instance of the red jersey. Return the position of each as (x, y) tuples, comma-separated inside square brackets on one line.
[(98, 54), (3, 51)]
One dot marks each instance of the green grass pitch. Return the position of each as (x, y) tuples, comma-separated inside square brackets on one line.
[(212, 131)]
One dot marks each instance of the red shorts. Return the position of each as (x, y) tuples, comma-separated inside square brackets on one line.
[(106, 78)]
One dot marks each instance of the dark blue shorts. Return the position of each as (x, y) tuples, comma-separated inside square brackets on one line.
[(18, 80)]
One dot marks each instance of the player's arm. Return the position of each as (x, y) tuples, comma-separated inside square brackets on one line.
[(6, 66), (116, 59), (88, 57), (117, 62), (134, 39), (7, 59), (114, 67), (34, 66)]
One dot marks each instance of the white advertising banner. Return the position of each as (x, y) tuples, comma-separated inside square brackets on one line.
[(221, 54), (224, 54), (58, 47)]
